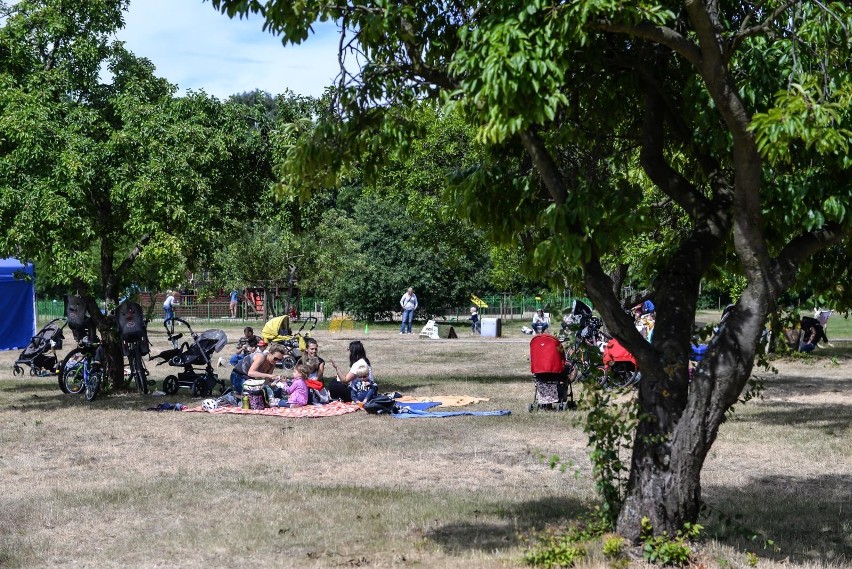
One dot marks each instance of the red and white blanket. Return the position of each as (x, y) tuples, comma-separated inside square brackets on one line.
[(330, 410)]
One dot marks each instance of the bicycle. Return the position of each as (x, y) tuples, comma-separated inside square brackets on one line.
[(134, 339), (83, 369)]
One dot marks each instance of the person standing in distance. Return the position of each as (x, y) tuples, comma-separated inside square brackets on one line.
[(408, 302), (232, 306), (169, 304)]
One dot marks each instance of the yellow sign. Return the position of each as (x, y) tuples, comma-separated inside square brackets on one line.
[(478, 301)]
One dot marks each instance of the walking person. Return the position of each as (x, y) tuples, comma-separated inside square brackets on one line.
[(169, 304), (408, 302)]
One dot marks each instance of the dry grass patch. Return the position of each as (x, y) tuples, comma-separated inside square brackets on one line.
[(107, 484)]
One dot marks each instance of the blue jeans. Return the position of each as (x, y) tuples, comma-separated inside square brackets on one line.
[(237, 380), (540, 327), (170, 313), (235, 359), (407, 316)]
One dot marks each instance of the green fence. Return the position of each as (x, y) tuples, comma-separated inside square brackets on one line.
[(506, 306)]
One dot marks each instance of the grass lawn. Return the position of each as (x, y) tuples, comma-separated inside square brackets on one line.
[(107, 484)]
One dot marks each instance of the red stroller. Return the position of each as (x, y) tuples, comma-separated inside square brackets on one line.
[(620, 367), (548, 366)]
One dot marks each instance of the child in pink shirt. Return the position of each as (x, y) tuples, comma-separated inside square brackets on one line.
[(296, 388)]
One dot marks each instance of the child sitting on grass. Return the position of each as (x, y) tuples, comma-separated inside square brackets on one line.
[(296, 389)]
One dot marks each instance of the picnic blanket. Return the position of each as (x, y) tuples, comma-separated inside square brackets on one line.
[(414, 414), (444, 400), (418, 405), (330, 410)]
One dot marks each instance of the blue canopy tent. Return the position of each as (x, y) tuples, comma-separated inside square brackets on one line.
[(17, 304)]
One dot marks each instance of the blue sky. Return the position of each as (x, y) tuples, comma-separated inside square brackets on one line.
[(197, 48)]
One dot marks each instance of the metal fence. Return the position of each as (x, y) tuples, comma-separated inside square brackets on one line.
[(506, 306)]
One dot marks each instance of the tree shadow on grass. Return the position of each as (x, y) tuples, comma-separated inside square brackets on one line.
[(44, 400), (829, 419), (789, 385), (809, 519), (520, 518)]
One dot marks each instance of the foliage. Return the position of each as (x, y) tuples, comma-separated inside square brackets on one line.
[(108, 183), (665, 550), (610, 425), (564, 547), (261, 257), (613, 546), (558, 552), (393, 250)]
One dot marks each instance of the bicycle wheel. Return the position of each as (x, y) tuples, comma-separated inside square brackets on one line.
[(71, 372), (137, 367), (93, 385)]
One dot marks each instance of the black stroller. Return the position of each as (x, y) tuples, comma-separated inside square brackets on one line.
[(199, 353), (40, 353)]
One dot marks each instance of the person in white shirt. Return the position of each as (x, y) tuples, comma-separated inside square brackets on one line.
[(539, 322), (408, 302)]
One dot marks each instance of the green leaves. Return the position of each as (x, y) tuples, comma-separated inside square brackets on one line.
[(803, 116)]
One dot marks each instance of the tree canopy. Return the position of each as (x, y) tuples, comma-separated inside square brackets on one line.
[(115, 182), (735, 115)]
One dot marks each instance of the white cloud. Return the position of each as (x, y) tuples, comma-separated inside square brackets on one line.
[(197, 48)]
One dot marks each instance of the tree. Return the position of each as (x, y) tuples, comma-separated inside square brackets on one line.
[(109, 183), (736, 112)]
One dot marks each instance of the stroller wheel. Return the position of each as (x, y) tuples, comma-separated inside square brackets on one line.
[(170, 384), (289, 362), (17, 370), (531, 407), (560, 407)]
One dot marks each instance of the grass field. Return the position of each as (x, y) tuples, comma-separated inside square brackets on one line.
[(107, 484)]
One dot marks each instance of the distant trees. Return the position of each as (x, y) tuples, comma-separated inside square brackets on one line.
[(110, 183)]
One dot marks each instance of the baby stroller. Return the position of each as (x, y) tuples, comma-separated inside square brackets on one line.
[(548, 366), (620, 367), (278, 331), (188, 356), (40, 353)]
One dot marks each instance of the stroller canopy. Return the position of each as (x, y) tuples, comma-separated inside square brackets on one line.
[(546, 355), (213, 340), (277, 329)]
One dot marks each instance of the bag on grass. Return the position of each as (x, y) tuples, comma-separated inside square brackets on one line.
[(257, 395), (381, 405), (319, 396)]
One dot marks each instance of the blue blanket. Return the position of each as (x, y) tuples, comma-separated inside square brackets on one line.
[(414, 414), (419, 405)]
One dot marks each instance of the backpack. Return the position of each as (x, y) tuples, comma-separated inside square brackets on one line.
[(318, 396), (381, 405)]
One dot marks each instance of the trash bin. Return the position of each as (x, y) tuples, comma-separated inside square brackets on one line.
[(491, 327)]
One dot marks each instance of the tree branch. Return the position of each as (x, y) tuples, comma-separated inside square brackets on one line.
[(754, 30), (546, 166), (655, 165), (135, 252), (801, 248), (657, 34)]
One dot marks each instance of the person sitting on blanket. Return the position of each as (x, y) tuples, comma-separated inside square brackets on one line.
[(294, 393), (311, 348), (340, 387), (257, 366), (245, 345)]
